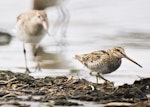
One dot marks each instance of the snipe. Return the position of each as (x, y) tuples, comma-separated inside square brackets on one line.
[(103, 62)]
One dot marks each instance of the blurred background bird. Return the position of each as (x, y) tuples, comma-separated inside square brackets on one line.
[(31, 27)]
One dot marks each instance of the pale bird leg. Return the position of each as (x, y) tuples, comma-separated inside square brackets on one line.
[(94, 75), (38, 67), (25, 56), (98, 76), (35, 51)]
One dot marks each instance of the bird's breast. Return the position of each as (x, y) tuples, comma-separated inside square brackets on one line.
[(35, 30), (104, 66), (30, 34)]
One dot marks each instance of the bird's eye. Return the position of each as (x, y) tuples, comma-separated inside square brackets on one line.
[(39, 16), (118, 50)]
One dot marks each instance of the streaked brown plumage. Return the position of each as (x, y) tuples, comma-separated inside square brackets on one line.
[(104, 62)]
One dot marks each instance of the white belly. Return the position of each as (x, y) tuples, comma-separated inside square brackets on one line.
[(26, 38), (30, 39)]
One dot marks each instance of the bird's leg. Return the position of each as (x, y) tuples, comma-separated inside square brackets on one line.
[(100, 76), (97, 79), (38, 67), (25, 56), (94, 75)]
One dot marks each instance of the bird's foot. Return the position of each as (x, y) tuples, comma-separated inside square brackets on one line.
[(27, 71), (108, 84), (140, 77)]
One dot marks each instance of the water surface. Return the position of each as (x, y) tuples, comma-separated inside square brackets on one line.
[(97, 25)]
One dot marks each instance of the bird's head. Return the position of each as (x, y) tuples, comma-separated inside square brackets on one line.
[(119, 52)]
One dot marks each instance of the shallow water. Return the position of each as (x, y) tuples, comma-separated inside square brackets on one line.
[(97, 25)]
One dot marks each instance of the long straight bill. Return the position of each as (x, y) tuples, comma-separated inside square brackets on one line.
[(133, 61), (45, 25)]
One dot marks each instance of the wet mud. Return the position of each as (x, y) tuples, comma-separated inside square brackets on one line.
[(22, 87)]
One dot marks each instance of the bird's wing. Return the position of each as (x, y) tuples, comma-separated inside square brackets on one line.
[(92, 58)]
